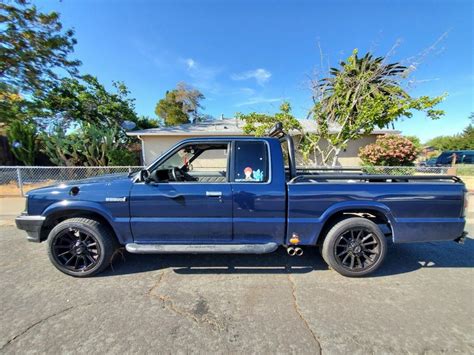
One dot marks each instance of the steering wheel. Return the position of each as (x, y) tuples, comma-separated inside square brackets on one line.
[(177, 174)]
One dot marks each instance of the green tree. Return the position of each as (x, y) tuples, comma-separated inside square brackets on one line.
[(462, 141), (85, 124), (22, 138), (12, 104), (35, 48), (145, 122), (180, 105), (416, 142), (89, 144), (259, 123), (360, 95), (87, 100)]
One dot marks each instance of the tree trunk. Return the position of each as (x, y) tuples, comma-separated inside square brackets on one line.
[(336, 156)]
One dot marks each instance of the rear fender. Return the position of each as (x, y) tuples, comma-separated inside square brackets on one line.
[(309, 229)]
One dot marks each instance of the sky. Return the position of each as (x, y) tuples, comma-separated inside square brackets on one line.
[(247, 56)]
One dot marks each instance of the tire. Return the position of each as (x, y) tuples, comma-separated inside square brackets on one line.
[(354, 247), (81, 247)]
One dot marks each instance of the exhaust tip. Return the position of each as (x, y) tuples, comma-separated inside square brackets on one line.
[(298, 251), (291, 251)]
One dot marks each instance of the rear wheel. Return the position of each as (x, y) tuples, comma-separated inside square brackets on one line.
[(354, 247), (81, 247)]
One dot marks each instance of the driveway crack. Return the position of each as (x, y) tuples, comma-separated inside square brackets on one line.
[(156, 285), (27, 329), (169, 304), (300, 314)]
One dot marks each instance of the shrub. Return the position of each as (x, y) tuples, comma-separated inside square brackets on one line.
[(389, 150), (22, 138), (123, 157), (402, 170)]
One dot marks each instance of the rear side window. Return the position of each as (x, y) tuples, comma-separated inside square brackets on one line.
[(251, 162)]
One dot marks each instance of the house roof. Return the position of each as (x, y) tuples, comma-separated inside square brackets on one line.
[(225, 127)]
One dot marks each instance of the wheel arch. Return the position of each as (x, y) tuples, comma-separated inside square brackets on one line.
[(56, 214), (378, 213)]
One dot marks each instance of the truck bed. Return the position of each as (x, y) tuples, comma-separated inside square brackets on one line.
[(418, 208)]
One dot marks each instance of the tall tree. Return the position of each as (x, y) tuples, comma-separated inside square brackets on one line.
[(180, 105), (84, 123), (34, 47), (87, 100), (360, 95)]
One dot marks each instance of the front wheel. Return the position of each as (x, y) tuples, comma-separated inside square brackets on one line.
[(354, 247), (81, 247)]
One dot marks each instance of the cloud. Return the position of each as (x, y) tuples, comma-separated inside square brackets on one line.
[(246, 91), (203, 77), (259, 100), (260, 75), (190, 63)]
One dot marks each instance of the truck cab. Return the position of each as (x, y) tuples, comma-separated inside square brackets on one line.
[(219, 190)]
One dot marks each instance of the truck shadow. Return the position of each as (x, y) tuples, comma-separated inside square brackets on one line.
[(401, 258)]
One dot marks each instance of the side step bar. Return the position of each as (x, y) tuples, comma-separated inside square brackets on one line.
[(201, 248)]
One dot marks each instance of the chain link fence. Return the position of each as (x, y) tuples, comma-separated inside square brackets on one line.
[(17, 180)]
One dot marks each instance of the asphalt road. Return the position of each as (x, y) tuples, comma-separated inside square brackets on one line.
[(421, 301)]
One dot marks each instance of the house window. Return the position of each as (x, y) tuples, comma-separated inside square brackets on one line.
[(251, 162)]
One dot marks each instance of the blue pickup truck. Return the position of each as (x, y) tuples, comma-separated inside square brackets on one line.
[(241, 195)]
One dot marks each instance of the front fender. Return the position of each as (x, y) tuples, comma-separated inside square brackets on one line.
[(120, 225)]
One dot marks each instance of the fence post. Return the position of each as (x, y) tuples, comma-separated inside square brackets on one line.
[(20, 181)]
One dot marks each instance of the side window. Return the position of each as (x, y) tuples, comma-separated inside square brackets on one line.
[(197, 162), (251, 162)]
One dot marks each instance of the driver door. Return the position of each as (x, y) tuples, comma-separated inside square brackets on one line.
[(197, 211)]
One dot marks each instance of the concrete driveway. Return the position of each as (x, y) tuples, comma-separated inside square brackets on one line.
[(421, 301)]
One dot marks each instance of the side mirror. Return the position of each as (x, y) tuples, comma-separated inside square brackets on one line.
[(152, 177), (144, 175)]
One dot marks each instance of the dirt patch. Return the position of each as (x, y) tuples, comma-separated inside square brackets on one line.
[(12, 189)]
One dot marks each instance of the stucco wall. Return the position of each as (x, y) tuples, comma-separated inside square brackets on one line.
[(154, 146)]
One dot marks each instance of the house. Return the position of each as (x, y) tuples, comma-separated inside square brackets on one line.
[(156, 141)]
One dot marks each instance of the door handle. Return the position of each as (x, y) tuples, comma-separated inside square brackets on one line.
[(213, 193), (173, 196)]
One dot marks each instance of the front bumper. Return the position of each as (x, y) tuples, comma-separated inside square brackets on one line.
[(32, 225)]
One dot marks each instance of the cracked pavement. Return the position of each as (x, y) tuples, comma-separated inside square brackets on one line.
[(420, 301)]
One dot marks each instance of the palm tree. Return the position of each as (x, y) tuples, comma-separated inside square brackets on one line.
[(356, 80)]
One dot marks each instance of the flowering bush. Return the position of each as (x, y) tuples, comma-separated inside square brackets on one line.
[(389, 150)]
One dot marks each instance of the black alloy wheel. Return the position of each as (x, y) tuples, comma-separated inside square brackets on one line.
[(354, 247), (357, 249), (76, 250), (81, 247)]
